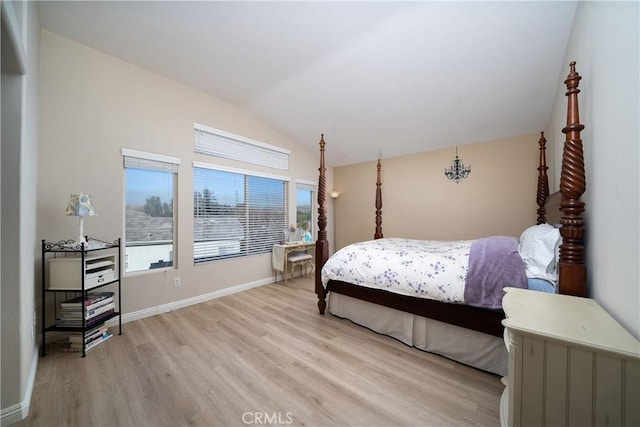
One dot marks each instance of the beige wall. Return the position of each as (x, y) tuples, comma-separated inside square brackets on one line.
[(91, 106), (418, 201)]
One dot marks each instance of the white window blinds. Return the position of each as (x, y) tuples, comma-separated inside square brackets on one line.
[(302, 184), (152, 161), (214, 142), (236, 213)]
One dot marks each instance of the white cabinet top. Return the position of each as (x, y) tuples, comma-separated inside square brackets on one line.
[(574, 319)]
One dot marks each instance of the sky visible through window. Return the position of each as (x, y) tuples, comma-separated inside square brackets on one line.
[(303, 197), (229, 187), (144, 183)]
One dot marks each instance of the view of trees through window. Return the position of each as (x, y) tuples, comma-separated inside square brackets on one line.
[(304, 217), (154, 206)]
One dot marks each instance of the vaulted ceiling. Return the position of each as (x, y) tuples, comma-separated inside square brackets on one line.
[(394, 78)]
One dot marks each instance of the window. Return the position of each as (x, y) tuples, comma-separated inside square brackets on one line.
[(304, 210), (236, 213), (150, 185)]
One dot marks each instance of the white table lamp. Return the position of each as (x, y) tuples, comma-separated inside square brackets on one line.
[(80, 205)]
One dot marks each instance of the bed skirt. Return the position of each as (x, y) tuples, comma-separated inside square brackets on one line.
[(476, 349)]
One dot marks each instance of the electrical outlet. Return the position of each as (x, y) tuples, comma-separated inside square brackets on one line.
[(176, 282)]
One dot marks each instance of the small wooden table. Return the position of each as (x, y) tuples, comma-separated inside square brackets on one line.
[(285, 257)]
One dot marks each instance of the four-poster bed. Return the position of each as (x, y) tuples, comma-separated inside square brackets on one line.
[(477, 330)]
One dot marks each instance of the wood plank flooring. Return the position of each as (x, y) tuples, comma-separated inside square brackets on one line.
[(260, 357)]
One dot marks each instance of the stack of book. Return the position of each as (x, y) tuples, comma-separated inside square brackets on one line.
[(91, 338), (95, 307)]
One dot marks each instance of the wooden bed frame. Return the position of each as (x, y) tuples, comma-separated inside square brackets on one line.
[(572, 270)]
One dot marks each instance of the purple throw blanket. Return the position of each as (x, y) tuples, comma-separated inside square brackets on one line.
[(494, 263)]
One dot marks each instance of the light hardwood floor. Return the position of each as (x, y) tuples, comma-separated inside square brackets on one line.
[(263, 356)]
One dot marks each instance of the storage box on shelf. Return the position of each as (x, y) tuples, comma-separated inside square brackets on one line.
[(71, 277), (98, 270)]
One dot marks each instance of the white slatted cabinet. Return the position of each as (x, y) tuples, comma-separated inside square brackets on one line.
[(570, 363)]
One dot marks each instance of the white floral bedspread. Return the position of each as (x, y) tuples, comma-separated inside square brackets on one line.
[(420, 268)]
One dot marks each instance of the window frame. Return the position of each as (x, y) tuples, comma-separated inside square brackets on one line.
[(142, 160)]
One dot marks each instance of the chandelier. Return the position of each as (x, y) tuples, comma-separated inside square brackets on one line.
[(458, 170)]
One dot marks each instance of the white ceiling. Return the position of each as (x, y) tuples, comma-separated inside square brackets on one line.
[(391, 77)]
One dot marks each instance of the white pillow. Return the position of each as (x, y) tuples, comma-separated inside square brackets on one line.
[(538, 247)]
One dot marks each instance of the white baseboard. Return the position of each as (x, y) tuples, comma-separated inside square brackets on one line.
[(20, 411), (165, 308)]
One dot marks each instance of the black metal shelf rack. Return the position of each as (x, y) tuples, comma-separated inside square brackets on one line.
[(67, 248)]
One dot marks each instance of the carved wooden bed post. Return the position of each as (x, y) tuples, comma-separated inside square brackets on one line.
[(322, 245), (543, 181), (573, 274), (378, 233)]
